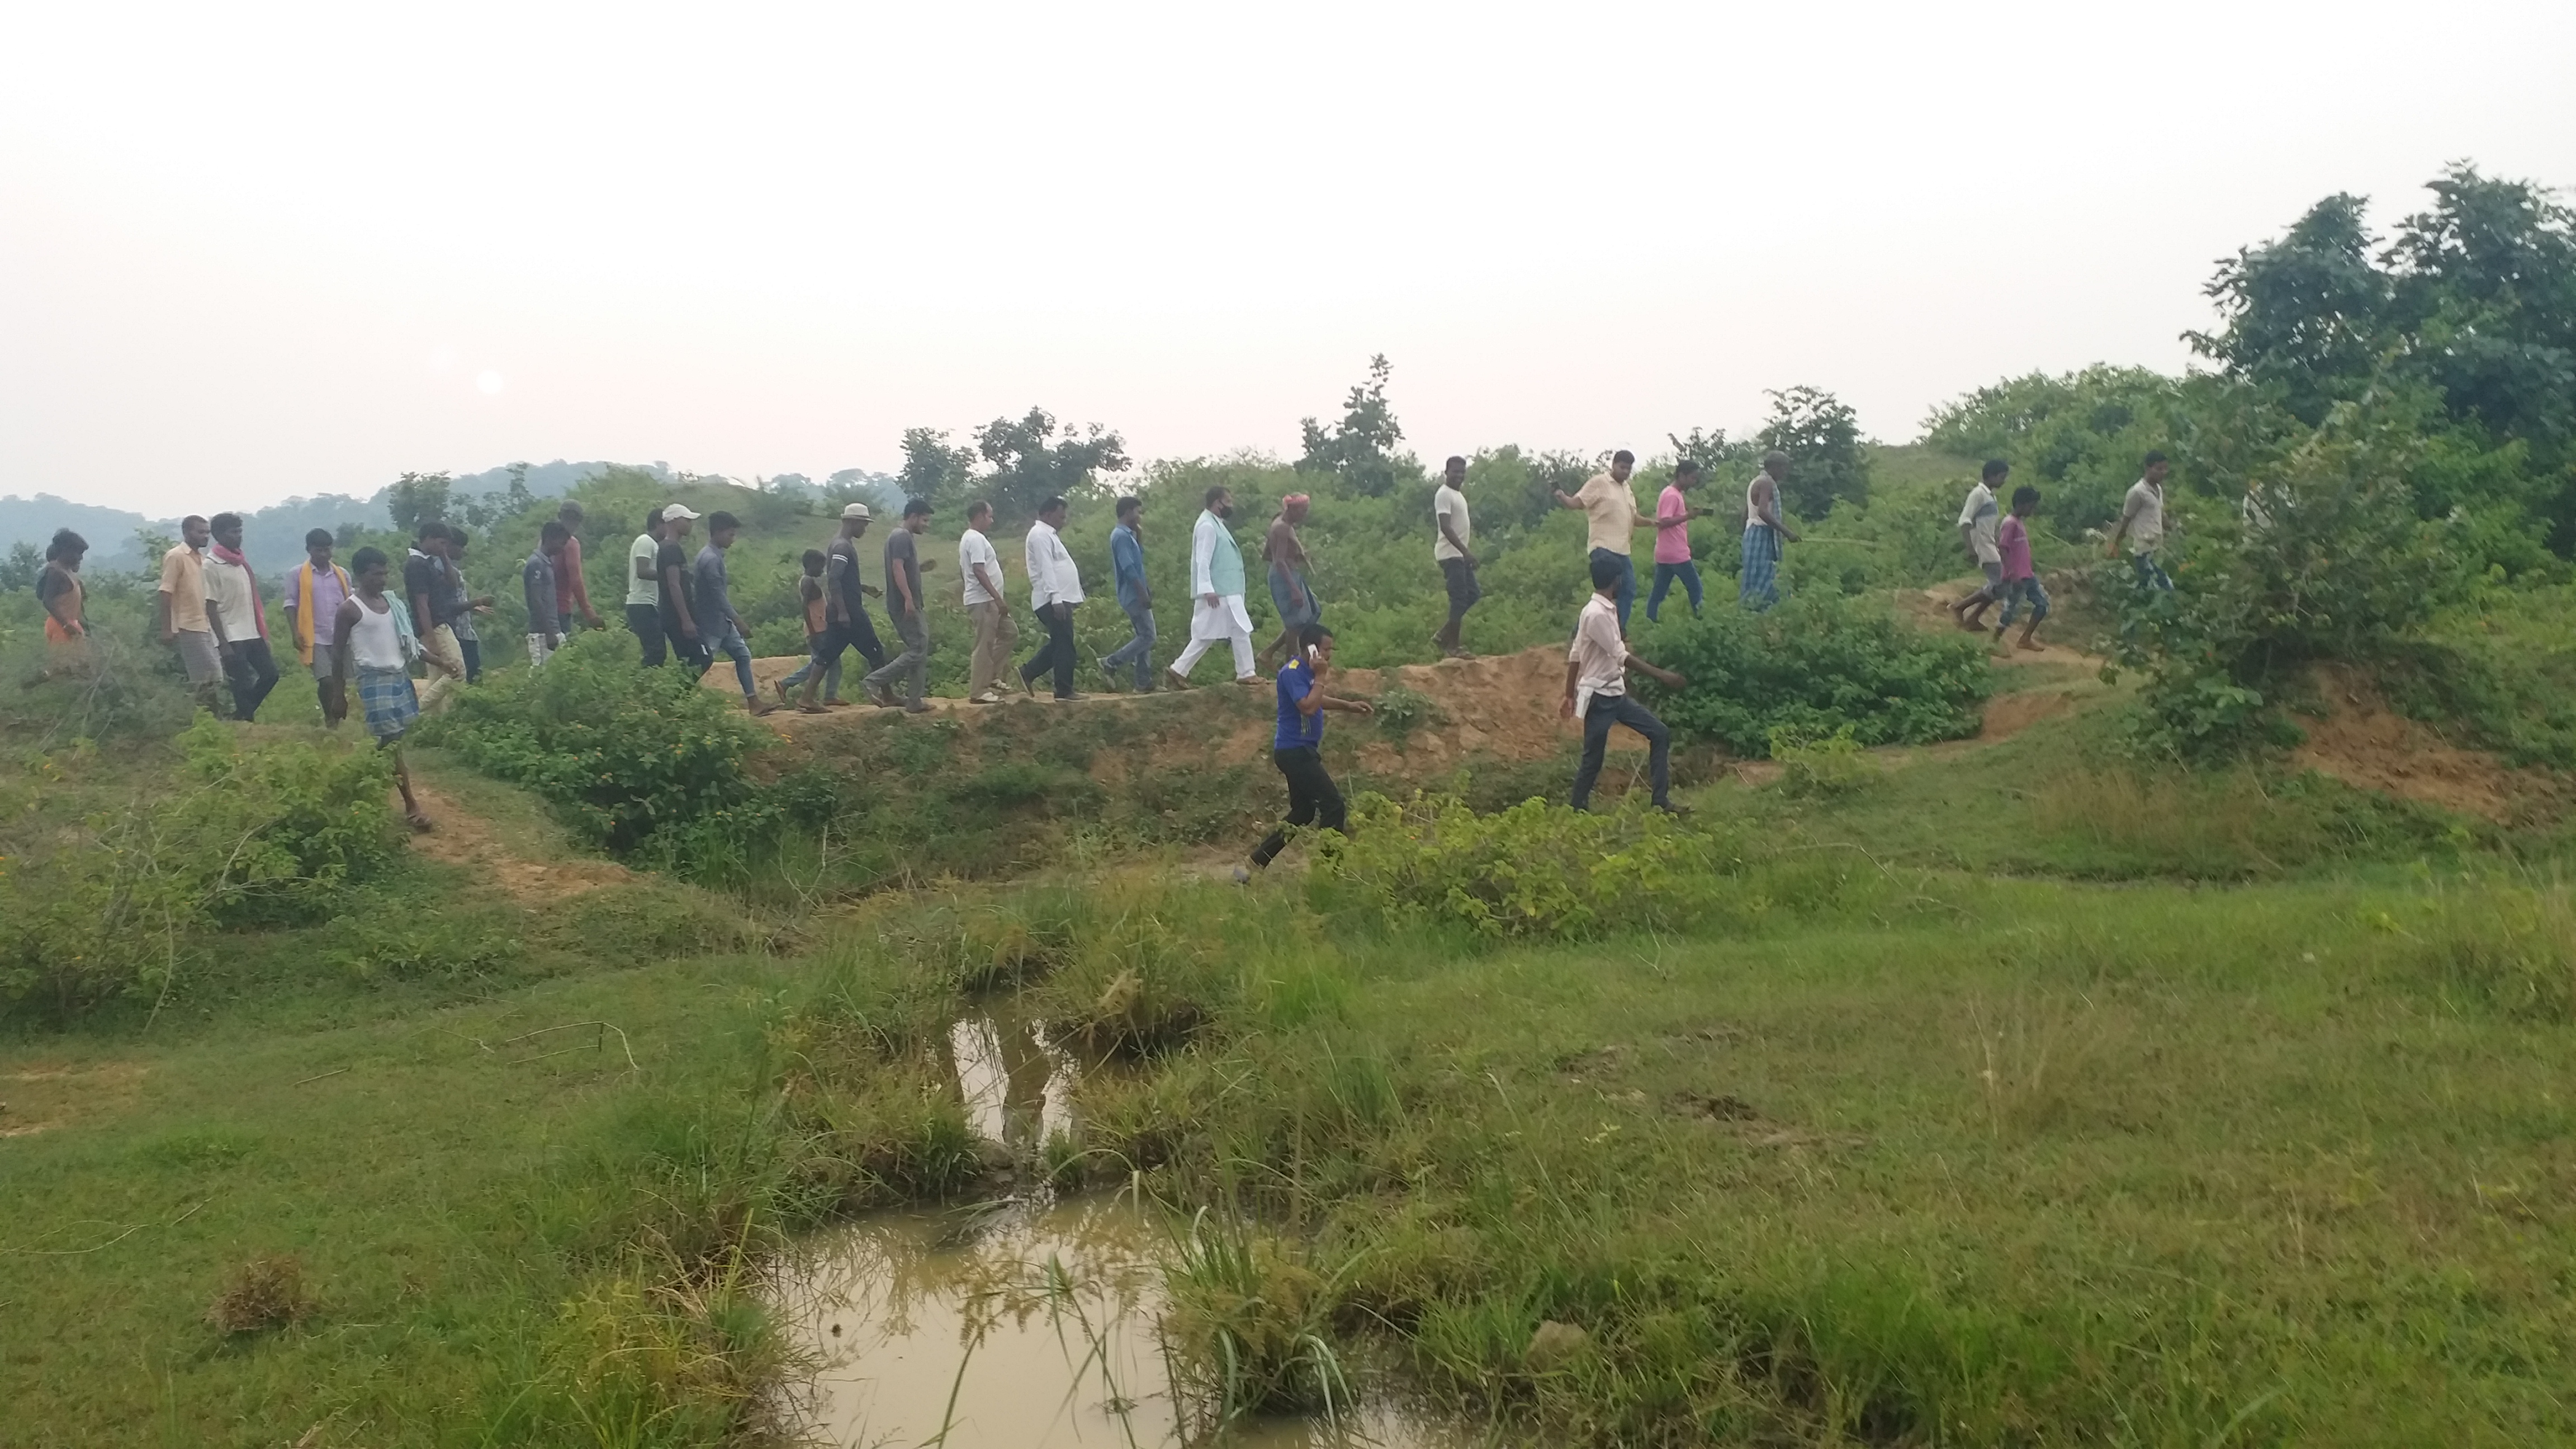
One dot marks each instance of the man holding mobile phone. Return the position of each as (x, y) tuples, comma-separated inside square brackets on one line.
[(1298, 748)]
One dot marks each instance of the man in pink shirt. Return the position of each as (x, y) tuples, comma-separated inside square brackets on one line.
[(1673, 515)]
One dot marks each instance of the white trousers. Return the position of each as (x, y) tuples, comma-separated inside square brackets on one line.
[(1241, 639)]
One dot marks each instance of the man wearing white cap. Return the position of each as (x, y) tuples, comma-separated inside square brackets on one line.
[(1216, 588), (845, 604)]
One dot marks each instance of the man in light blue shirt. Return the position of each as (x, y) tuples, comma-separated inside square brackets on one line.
[(1127, 561)]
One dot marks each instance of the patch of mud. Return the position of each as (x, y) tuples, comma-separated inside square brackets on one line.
[(461, 838), (1930, 609), (37, 1099), (2367, 745)]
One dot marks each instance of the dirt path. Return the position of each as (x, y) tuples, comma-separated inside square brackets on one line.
[(462, 838)]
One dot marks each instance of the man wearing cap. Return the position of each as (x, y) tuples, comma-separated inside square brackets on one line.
[(1289, 591), (691, 646), (845, 604)]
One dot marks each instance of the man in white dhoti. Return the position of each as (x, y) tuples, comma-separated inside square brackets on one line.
[(1216, 588)]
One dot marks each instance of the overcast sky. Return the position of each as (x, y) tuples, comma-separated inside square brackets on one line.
[(249, 250)]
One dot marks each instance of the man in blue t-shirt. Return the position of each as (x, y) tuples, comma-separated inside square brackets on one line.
[(1127, 562), (1298, 748)]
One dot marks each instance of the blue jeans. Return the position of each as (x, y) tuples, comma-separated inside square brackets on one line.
[(2019, 592), (1137, 653), (1606, 711), (1626, 597), (731, 642), (831, 674), (1687, 572), (2151, 575)]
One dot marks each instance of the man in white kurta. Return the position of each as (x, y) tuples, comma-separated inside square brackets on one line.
[(1216, 594)]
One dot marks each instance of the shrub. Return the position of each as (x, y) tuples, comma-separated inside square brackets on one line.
[(1819, 765), (621, 750), (1818, 665), (1535, 869), (242, 833), (262, 1294)]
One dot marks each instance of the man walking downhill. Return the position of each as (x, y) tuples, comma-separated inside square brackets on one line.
[(539, 586), (905, 601), (644, 590), (2021, 581), (1673, 515), (1596, 692), (1216, 588), (1054, 588), (314, 593), (368, 637), (1765, 529), (1610, 507), (1450, 533), (988, 607), (688, 643), (433, 612), (179, 611), (1980, 524), (1290, 593), (240, 618), (845, 606), (572, 591), (1135, 596), (1298, 746), (2142, 522)]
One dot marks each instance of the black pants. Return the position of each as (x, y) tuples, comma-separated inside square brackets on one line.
[(252, 671), (646, 623), (1056, 653), (693, 655), (1460, 576), (472, 649), (1313, 799), (1618, 709), (853, 633)]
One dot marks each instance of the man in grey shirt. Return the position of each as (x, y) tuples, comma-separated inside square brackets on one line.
[(718, 624), (904, 601)]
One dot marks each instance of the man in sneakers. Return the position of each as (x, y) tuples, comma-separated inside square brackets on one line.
[(988, 606), (904, 601)]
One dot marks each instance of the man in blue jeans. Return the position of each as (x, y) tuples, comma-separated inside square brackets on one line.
[(1127, 561), (1596, 690), (719, 627)]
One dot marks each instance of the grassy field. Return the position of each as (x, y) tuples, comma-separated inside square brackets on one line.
[(2007, 1094)]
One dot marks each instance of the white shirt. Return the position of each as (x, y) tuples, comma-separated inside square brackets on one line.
[(1981, 518), (228, 589), (974, 548), (2144, 510), (1599, 655), (1450, 504), (646, 591), (1052, 577)]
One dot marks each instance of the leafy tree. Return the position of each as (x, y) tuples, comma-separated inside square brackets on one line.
[(931, 468), (1821, 435), (518, 499), (1030, 462), (1360, 448), (2485, 288), (1709, 448), (19, 569), (2077, 436), (2305, 314), (417, 498)]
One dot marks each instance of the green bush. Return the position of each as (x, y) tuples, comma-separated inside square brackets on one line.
[(239, 834), (1818, 665), (1536, 869), (621, 750), (1822, 766)]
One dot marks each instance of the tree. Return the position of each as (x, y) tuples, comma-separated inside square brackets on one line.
[(20, 568), (1822, 438), (518, 499), (931, 468), (1030, 463), (1708, 448), (417, 498), (1360, 449), (2305, 313)]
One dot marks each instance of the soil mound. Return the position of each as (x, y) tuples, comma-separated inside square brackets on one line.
[(2363, 743)]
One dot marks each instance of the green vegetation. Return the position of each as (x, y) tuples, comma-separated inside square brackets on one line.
[(2104, 1079)]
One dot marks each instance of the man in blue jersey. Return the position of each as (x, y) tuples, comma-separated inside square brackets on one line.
[(1298, 750)]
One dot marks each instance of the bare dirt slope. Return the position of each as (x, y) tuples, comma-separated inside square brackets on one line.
[(2364, 743)]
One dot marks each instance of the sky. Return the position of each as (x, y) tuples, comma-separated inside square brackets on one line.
[(254, 250)]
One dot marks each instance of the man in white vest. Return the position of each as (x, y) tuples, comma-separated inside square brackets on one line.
[(1216, 588)]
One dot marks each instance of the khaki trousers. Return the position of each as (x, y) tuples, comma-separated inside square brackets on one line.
[(995, 636)]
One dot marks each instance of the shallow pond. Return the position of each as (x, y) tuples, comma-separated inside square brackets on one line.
[(1029, 1323)]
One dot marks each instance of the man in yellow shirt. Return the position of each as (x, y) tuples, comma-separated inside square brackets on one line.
[(1605, 500), (180, 610)]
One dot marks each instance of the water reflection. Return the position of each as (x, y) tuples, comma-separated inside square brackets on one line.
[(1025, 1325), (1016, 1082)]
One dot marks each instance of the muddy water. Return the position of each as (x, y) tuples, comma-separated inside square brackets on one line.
[(1029, 1323)]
